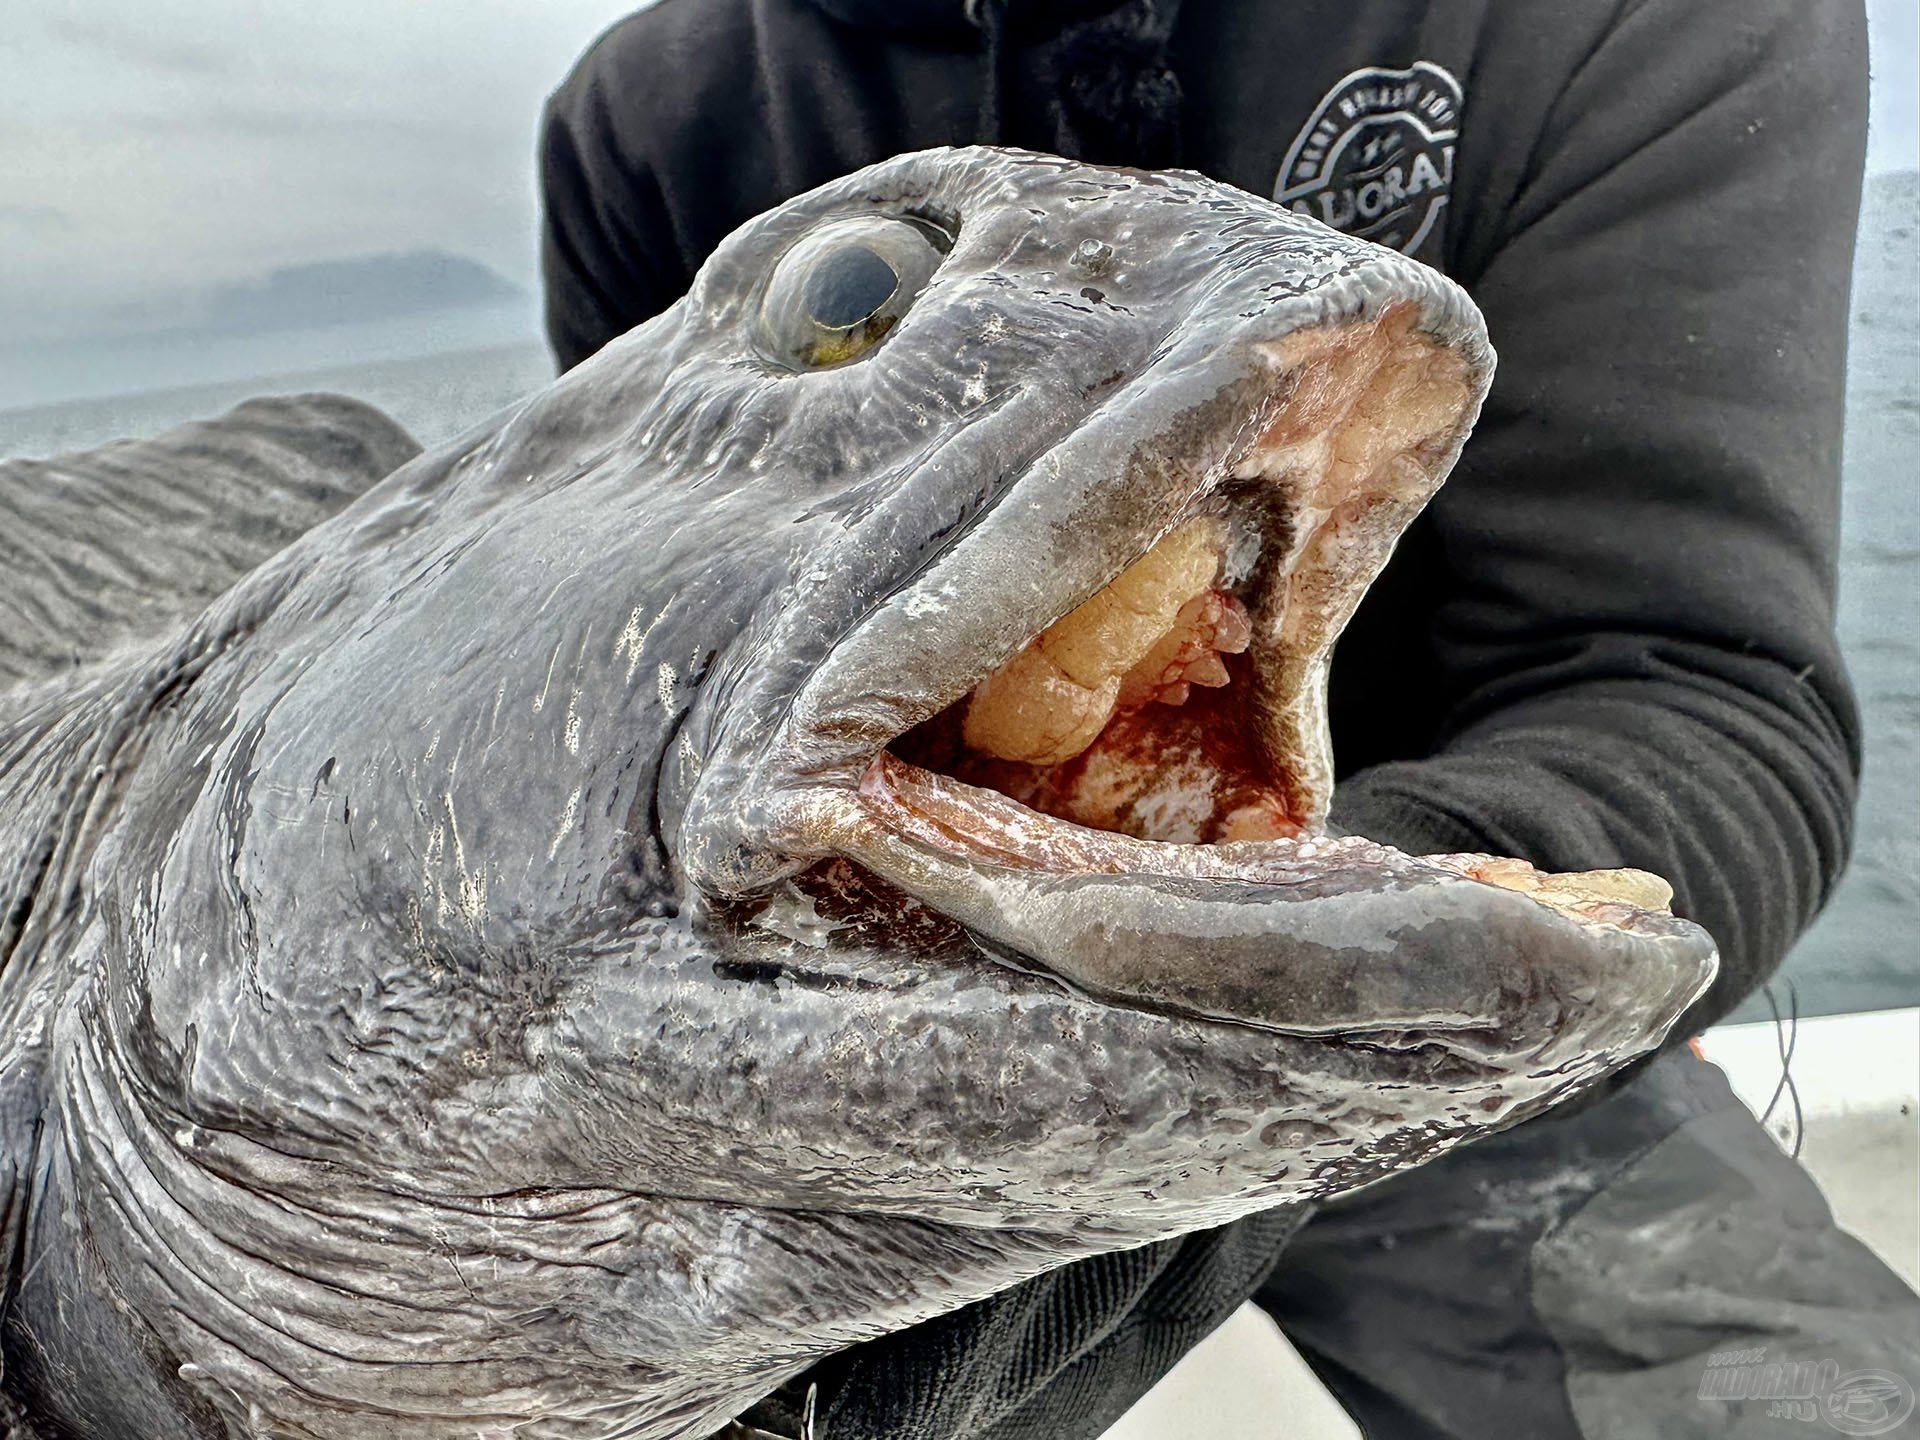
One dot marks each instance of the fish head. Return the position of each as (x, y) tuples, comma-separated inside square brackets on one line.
[(860, 740), (1035, 745), (836, 781)]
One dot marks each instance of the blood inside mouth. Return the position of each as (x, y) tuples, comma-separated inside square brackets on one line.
[(1132, 713)]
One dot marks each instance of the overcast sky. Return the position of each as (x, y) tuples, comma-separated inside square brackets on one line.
[(153, 146), (1893, 139), (149, 145)]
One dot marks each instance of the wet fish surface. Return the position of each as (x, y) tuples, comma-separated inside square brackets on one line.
[(810, 820)]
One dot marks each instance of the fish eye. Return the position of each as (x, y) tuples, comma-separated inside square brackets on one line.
[(839, 289), (848, 286)]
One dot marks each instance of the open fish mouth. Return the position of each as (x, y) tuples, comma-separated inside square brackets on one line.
[(1184, 700), (1131, 795)]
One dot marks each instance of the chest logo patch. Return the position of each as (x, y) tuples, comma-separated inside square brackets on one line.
[(1375, 158)]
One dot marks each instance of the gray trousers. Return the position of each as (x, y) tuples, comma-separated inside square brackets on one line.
[(1588, 1275)]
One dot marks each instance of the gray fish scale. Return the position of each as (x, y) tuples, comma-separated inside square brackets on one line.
[(100, 548)]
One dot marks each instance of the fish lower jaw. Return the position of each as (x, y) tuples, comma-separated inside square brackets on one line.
[(943, 815), (1299, 935)]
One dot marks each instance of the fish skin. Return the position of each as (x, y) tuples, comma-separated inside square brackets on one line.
[(454, 994)]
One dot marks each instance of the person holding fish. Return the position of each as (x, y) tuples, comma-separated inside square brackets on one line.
[(1608, 641)]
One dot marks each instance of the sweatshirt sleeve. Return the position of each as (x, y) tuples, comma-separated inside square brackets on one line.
[(1636, 632), (607, 254)]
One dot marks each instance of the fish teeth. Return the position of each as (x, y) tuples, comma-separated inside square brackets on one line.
[(1051, 701)]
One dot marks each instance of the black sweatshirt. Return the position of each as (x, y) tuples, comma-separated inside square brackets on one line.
[(1610, 639)]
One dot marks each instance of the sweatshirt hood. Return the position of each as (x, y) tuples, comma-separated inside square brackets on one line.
[(960, 21), (1087, 79)]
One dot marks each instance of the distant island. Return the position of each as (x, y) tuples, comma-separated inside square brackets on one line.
[(310, 314), (364, 287)]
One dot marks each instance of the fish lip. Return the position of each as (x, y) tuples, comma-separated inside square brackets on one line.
[(1211, 450), (935, 861), (865, 813)]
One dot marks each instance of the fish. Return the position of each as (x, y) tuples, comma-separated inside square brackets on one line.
[(813, 818)]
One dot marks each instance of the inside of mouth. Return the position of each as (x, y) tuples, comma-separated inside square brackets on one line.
[(1135, 712), (1184, 701)]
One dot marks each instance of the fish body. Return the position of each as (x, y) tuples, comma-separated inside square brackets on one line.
[(598, 920)]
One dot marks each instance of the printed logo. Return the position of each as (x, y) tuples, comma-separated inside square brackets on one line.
[(1858, 1402), (1376, 158), (1867, 1402)]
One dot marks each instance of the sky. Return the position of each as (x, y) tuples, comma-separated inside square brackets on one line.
[(1893, 132), (153, 151), (156, 146)]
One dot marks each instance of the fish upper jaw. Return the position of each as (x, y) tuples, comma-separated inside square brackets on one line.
[(1304, 445)]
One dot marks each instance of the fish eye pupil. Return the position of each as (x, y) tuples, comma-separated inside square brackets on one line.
[(847, 286)]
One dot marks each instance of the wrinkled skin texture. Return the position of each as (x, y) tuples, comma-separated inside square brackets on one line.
[(469, 991)]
